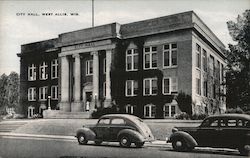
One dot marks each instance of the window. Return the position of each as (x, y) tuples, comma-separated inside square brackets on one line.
[(104, 89), (217, 69), (231, 123), (198, 86), (43, 93), (205, 88), (31, 111), (149, 111), (89, 67), (129, 109), (117, 121), (54, 92), (170, 55), (170, 85), (131, 88), (150, 57), (54, 68), (221, 73), (32, 72), (43, 71), (104, 121), (214, 123), (166, 86), (204, 60), (198, 56), (169, 110), (32, 94), (132, 59), (104, 65), (211, 66), (150, 86), (214, 91), (174, 85)]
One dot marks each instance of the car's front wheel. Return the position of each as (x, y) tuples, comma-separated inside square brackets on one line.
[(82, 139), (125, 141), (139, 144), (244, 150), (179, 144)]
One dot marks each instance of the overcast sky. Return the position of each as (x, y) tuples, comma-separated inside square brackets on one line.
[(17, 30)]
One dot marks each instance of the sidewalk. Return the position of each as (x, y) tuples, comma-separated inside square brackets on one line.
[(156, 143)]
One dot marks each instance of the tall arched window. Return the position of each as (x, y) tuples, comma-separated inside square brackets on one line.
[(149, 111)]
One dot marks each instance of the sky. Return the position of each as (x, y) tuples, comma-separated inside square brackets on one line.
[(17, 29)]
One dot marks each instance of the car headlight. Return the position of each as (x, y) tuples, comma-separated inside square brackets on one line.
[(174, 130)]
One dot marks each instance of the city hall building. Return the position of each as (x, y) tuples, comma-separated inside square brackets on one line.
[(139, 67)]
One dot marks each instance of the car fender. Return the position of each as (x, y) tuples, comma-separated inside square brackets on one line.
[(89, 134), (132, 134), (191, 142)]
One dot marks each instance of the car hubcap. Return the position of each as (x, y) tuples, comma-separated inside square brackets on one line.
[(178, 143), (247, 147), (82, 139), (124, 141)]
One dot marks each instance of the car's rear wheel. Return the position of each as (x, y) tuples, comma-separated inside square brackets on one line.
[(139, 144), (82, 139), (179, 144), (125, 141), (98, 142), (244, 150)]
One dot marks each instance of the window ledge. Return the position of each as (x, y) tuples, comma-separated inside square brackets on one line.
[(169, 67)]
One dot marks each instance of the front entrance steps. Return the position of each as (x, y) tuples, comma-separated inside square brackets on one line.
[(57, 114)]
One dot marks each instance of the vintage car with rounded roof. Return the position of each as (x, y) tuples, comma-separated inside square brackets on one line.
[(123, 128), (223, 131)]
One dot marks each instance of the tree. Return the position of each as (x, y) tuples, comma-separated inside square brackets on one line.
[(9, 91), (13, 89), (3, 92), (184, 102), (238, 60)]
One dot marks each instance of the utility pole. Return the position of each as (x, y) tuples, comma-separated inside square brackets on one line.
[(93, 12)]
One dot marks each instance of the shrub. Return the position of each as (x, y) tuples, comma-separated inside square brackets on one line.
[(237, 110), (184, 102), (18, 116), (198, 116), (103, 111), (37, 116), (182, 116)]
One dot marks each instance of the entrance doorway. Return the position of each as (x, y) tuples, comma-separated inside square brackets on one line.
[(88, 100)]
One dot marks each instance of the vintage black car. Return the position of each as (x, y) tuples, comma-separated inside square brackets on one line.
[(226, 130), (122, 128)]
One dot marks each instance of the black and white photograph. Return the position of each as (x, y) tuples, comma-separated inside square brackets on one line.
[(124, 78)]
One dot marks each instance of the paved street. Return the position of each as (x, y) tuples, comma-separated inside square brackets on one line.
[(13, 147)]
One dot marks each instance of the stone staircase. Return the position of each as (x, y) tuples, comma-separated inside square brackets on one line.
[(56, 114)]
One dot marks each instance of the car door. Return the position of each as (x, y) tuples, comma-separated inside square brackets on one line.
[(101, 129), (116, 125), (208, 133)]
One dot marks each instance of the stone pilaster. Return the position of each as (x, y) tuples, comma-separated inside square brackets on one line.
[(76, 106), (95, 94), (107, 101), (64, 104)]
